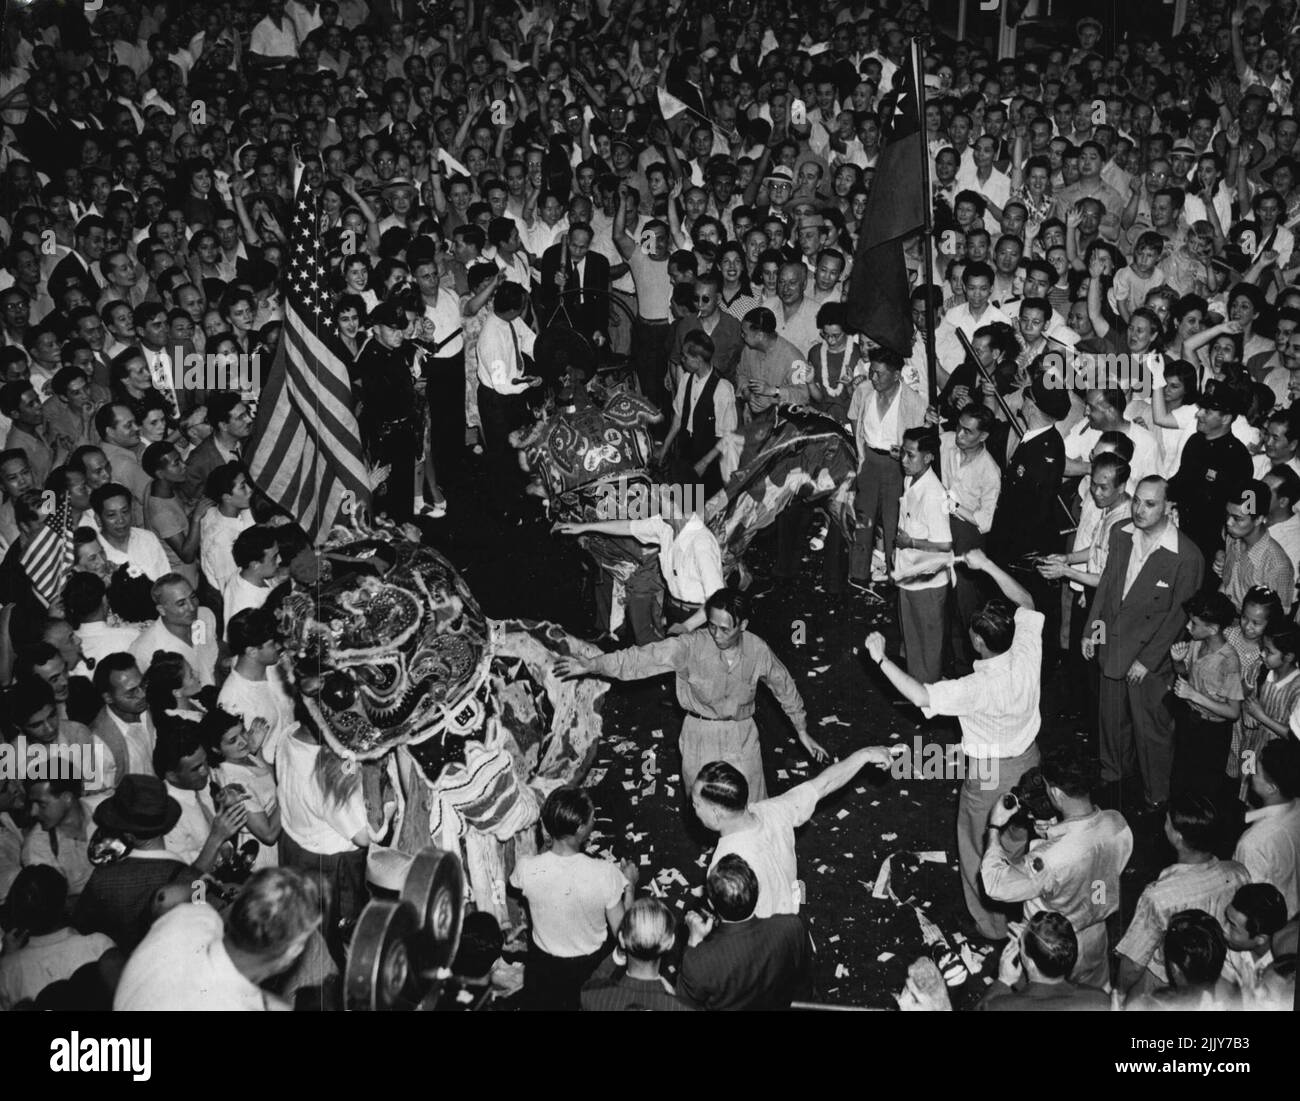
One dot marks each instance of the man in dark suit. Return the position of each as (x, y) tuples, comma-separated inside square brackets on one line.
[(231, 425), (118, 898), (81, 265), (41, 131), (739, 961), (1137, 615), (1033, 973), (571, 269)]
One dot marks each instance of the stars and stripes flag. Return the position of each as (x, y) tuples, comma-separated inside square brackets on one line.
[(305, 451), (49, 556)]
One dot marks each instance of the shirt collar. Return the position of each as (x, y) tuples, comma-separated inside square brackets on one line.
[(1274, 811)]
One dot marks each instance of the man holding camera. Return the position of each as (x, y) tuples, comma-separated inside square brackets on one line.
[(1072, 868)]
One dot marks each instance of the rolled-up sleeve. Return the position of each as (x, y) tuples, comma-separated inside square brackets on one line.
[(961, 696)]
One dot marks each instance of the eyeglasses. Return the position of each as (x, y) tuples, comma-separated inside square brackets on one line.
[(701, 299)]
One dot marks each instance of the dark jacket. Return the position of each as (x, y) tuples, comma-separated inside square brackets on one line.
[(118, 898), (1143, 625), (762, 963), (592, 315), (1028, 518), (1045, 997)]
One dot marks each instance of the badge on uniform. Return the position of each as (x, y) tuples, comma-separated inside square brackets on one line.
[(1210, 475), (1020, 471)]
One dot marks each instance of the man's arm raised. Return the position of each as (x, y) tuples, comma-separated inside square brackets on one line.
[(835, 776)]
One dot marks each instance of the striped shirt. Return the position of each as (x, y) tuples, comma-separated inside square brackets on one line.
[(1266, 563), (1209, 887)]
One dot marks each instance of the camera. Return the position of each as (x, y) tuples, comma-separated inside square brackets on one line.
[(1030, 792)]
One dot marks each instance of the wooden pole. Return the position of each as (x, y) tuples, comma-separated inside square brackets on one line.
[(927, 242)]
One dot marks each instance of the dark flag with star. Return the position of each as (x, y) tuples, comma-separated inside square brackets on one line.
[(878, 298), (305, 451)]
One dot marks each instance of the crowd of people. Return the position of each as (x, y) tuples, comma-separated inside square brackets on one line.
[(1098, 474)]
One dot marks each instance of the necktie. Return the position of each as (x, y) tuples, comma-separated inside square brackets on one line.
[(519, 359)]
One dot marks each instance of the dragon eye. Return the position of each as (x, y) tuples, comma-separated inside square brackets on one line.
[(338, 693)]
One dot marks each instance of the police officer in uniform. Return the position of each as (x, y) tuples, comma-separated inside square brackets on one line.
[(1028, 519), (391, 424)]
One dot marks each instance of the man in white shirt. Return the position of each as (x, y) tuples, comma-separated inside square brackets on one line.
[(503, 380), (762, 832), (256, 552), (275, 40), (1270, 848), (997, 706), (255, 688), (124, 543), (986, 181), (796, 316), (85, 603), (974, 313), (219, 527), (193, 960), (923, 531), (704, 410), (1106, 414), (972, 481), (182, 627)]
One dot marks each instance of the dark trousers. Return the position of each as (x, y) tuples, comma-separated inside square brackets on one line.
[(1081, 674), (343, 877), (964, 598), (399, 448), (445, 392), (880, 486), (1137, 730), (555, 982), (643, 596), (1201, 746), (792, 527), (501, 414), (650, 357)]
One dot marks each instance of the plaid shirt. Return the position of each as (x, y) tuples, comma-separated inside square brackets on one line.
[(1209, 887), (1266, 563)]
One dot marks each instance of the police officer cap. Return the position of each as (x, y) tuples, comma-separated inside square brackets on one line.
[(390, 313)]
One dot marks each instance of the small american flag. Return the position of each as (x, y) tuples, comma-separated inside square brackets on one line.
[(305, 450), (49, 556)]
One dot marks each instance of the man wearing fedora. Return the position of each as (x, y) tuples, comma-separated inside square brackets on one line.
[(118, 897)]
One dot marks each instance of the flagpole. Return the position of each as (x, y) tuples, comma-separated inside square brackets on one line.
[(927, 207)]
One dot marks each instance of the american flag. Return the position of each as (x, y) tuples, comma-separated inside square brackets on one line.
[(49, 556), (305, 451)]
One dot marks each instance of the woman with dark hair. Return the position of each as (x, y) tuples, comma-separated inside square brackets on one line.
[(172, 688), (132, 384), (1186, 319), (201, 202), (737, 297), (718, 670)]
